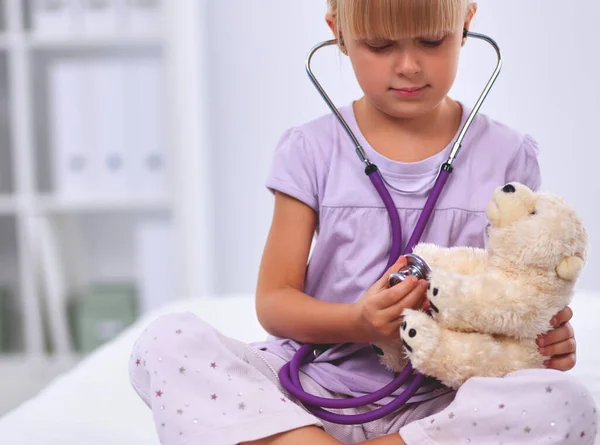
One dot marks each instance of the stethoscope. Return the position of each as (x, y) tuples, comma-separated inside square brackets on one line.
[(289, 373)]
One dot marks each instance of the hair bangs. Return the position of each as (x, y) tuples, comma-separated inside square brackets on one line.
[(394, 19)]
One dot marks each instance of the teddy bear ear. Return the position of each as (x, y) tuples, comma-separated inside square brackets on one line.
[(570, 267)]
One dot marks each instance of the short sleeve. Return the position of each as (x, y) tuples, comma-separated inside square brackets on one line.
[(525, 167), (293, 169)]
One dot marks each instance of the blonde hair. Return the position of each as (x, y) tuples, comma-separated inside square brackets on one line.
[(392, 19)]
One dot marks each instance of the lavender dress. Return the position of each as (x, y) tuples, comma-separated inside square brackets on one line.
[(205, 388)]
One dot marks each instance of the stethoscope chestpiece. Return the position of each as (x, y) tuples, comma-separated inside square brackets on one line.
[(415, 266)]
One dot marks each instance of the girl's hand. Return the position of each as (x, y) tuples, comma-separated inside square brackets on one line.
[(559, 343), (379, 310)]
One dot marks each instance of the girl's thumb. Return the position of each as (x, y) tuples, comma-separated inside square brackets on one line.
[(400, 262)]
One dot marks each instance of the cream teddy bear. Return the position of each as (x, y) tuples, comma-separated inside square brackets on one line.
[(489, 306)]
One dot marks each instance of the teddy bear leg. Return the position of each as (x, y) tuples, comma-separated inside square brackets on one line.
[(454, 357), (391, 354), (420, 336)]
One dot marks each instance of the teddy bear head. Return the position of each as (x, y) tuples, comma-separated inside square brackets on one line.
[(537, 230)]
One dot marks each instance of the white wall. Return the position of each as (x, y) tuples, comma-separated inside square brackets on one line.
[(258, 87)]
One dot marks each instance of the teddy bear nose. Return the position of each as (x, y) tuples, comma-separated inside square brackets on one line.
[(509, 188)]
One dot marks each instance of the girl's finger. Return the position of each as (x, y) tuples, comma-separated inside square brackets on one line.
[(383, 281), (556, 336), (568, 346), (562, 362), (413, 299), (562, 317), (426, 305), (390, 296)]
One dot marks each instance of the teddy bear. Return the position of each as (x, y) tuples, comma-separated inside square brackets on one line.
[(488, 306)]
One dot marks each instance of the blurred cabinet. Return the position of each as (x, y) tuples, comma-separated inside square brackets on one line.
[(91, 156)]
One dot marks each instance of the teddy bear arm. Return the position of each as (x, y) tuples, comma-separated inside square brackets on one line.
[(460, 259)]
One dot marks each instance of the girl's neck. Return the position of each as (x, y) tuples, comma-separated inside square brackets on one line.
[(409, 140)]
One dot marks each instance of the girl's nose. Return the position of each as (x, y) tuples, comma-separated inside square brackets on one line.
[(407, 64)]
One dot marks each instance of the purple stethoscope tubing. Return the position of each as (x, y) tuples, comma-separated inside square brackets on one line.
[(289, 373)]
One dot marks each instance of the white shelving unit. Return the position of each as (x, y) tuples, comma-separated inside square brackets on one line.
[(28, 195)]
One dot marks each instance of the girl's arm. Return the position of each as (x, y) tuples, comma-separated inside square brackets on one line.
[(282, 308)]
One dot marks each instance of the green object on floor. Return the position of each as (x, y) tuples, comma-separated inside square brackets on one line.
[(6, 317), (100, 314)]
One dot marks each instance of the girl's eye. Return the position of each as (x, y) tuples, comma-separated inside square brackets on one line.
[(432, 43), (380, 48)]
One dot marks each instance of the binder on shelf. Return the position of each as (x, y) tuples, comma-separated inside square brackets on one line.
[(155, 264), (107, 128), (100, 17), (145, 128), (105, 111), (6, 169), (52, 273), (53, 18), (73, 167), (142, 17)]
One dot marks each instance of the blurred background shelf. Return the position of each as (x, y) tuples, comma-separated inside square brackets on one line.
[(8, 205), (54, 205), (85, 251), (91, 43), (42, 43)]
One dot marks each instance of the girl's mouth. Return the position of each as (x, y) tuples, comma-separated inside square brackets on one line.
[(409, 92)]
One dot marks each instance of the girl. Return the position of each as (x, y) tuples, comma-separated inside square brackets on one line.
[(205, 388)]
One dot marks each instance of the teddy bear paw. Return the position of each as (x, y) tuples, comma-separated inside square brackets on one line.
[(443, 294), (419, 334)]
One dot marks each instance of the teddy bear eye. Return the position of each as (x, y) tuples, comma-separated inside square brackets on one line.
[(412, 333), (533, 213)]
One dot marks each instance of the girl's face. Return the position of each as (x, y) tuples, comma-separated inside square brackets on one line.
[(407, 77)]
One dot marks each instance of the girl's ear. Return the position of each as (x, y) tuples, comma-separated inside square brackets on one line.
[(467, 25), (332, 23), (470, 14)]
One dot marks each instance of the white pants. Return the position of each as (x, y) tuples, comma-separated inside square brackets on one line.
[(205, 388)]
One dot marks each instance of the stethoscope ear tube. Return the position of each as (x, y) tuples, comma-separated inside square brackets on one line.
[(377, 180)]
